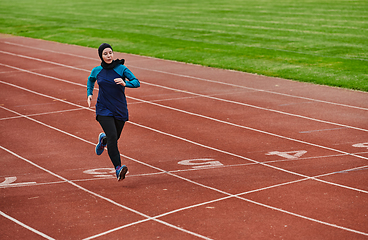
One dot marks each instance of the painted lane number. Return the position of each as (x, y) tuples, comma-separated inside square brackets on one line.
[(100, 172), (289, 155), (9, 182), (201, 163), (361, 145)]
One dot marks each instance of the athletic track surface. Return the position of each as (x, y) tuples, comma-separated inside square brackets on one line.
[(212, 154)]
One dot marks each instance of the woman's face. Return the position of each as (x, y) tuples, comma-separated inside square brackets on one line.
[(108, 55)]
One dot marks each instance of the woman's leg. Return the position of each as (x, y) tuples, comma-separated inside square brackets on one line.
[(112, 129)]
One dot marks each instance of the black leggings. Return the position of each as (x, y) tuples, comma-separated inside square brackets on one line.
[(112, 128)]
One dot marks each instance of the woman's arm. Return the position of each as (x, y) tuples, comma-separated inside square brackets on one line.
[(132, 82), (90, 87), (91, 84)]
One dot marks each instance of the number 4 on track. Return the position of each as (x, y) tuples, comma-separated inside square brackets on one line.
[(289, 155)]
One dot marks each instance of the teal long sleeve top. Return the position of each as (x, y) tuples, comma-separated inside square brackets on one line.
[(111, 100)]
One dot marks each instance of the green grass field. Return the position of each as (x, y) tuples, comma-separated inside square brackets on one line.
[(319, 41)]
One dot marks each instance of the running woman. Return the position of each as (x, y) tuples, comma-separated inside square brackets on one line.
[(111, 106)]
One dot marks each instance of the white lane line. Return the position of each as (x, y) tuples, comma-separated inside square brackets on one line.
[(196, 78), (115, 229), (25, 226), (40, 60), (147, 218), (323, 130), (182, 178), (43, 95), (40, 114)]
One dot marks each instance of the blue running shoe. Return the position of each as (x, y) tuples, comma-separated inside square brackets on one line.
[(120, 172), (100, 147)]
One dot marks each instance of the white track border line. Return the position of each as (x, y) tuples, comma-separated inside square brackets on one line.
[(182, 178), (25, 226), (197, 78)]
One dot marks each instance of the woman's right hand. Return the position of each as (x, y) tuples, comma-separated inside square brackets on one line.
[(89, 100)]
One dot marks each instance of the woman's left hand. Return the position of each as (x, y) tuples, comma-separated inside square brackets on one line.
[(120, 81)]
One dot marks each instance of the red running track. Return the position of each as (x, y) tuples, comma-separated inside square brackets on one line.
[(212, 154)]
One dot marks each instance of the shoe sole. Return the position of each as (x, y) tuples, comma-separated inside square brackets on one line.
[(123, 173)]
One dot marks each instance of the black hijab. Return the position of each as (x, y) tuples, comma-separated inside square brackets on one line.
[(103, 63)]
